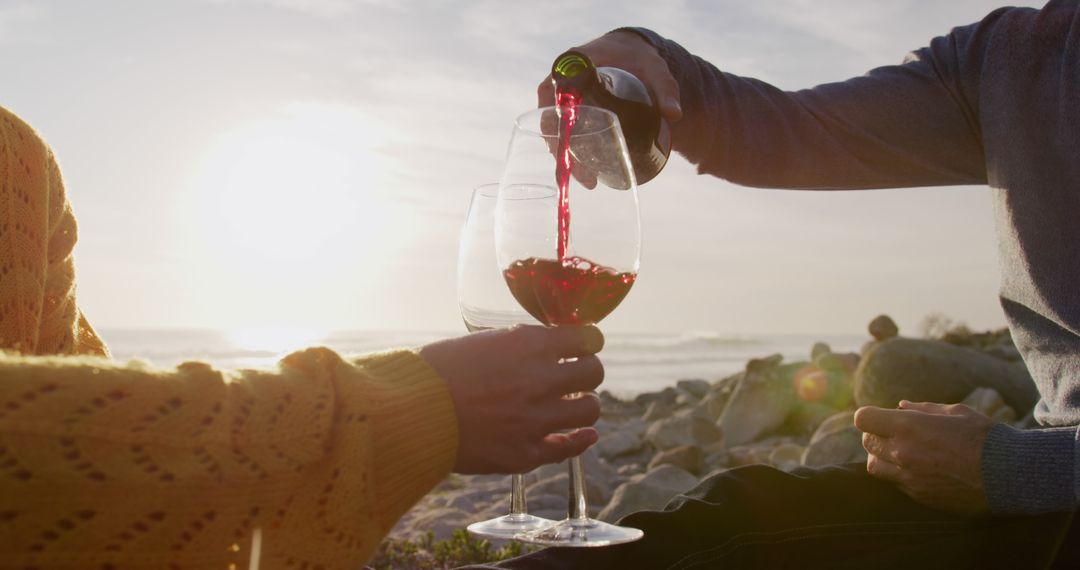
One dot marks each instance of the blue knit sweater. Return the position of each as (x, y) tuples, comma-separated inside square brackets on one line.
[(995, 103)]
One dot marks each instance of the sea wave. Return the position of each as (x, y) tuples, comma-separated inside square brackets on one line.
[(634, 362), (676, 341)]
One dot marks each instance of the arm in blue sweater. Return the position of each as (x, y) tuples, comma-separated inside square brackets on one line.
[(913, 124)]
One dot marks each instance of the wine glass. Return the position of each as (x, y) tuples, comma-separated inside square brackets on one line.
[(569, 270), (485, 304)]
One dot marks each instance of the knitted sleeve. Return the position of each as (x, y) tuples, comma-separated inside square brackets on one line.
[(913, 124), (38, 311), (110, 465), (1031, 471)]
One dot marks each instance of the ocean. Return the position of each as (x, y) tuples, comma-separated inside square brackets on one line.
[(634, 362)]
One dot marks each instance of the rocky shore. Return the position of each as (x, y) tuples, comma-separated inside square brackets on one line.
[(785, 414)]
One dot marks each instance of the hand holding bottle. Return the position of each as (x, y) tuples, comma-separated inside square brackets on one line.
[(577, 79), (630, 52)]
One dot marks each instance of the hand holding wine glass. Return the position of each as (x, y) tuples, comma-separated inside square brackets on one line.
[(486, 304), (508, 386)]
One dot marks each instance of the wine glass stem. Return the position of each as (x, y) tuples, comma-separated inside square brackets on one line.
[(578, 509), (517, 494)]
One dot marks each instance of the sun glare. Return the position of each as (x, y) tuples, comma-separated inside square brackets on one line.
[(285, 209), (274, 339), (289, 185)]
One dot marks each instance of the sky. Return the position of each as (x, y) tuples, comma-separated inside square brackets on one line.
[(308, 163)]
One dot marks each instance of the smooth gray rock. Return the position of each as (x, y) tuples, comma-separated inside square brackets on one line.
[(686, 399), (883, 327), (696, 387), (836, 441), (718, 459), (605, 426), (989, 402), (649, 491), (1004, 351), (786, 456), (472, 501), (687, 457), (632, 497), (759, 365), (759, 405), (596, 468), (807, 416), (611, 402), (490, 481), (660, 409), (727, 383), (668, 477), (818, 349), (595, 490), (845, 362), (667, 395), (751, 454), (685, 427), (712, 405), (932, 371), (623, 439)]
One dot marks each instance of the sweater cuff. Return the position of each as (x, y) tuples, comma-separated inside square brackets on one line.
[(414, 429), (1030, 471)]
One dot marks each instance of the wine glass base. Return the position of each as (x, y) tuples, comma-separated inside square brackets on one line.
[(509, 527), (582, 533)]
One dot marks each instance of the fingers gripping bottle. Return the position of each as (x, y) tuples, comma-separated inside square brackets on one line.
[(648, 137)]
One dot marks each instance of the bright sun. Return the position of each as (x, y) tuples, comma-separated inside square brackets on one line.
[(284, 208), (275, 339)]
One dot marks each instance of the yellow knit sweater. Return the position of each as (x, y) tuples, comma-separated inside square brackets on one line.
[(110, 465)]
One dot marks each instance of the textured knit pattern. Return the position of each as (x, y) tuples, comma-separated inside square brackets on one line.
[(38, 313), (104, 465), (110, 465), (993, 103)]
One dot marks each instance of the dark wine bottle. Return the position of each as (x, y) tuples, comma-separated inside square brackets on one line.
[(648, 138)]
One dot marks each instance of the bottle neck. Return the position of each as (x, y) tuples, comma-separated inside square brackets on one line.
[(573, 72)]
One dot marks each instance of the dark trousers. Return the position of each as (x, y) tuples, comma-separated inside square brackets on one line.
[(836, 517)]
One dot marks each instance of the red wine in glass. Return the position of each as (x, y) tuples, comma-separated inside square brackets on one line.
[(573, 291)]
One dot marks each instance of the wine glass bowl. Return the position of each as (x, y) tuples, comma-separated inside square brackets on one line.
[(483, 299), (576, 290), (599, 262)]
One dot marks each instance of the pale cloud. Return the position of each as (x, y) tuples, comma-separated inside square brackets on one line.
[(17, 22), (876, 33), (321, 8), (857, 26)]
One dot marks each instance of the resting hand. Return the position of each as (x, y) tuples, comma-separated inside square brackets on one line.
[(933, 452), (508, 388), (629, 52)]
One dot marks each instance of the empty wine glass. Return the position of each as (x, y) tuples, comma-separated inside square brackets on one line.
[(485, 304), (569, 270)]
